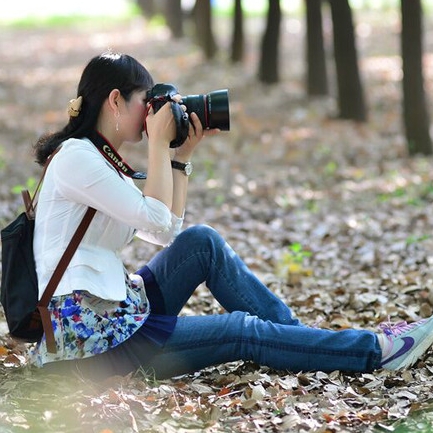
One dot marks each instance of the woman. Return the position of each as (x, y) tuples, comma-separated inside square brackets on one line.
[(106, 322)]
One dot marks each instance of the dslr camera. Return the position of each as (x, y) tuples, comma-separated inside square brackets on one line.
[(212, 109)]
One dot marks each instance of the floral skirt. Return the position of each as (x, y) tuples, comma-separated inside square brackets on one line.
[(85, 325)]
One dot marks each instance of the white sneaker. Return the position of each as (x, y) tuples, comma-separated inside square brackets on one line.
[(406, 342)]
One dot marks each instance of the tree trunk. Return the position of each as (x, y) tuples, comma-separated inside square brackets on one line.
[(173, 14), (203, 23), (147, 7), (269, 55), (317, 80), (350, 93), (415, 115), (238, 33)]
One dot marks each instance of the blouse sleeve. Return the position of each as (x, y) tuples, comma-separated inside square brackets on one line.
[(163, 238), (83, 176)]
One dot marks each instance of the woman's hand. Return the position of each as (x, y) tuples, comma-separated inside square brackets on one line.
[(196, 132), (160, 126)]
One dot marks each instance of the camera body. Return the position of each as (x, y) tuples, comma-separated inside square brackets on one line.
[(212, 109)]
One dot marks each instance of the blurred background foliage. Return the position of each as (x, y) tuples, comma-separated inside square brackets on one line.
[(195, 20)]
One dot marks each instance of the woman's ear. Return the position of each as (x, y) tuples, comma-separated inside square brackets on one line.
[(113, 100)]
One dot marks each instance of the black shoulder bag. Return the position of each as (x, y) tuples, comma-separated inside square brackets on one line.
[(27, 318)]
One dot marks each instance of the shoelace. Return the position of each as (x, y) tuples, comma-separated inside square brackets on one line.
[(398, 328), (317, 323)]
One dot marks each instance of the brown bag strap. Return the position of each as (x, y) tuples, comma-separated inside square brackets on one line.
[(45, 317), (57, 276), (30, 206), (66, 258)]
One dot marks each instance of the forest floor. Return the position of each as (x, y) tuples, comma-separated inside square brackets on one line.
[(332, 215)]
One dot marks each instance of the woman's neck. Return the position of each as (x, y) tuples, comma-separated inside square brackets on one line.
[(110, 134)]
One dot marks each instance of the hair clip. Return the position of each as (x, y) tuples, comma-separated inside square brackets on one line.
[(74, 106)]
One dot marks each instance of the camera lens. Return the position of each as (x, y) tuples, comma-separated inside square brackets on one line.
[(212, 109)]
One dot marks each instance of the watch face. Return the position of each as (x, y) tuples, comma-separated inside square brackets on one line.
[(188, 168)]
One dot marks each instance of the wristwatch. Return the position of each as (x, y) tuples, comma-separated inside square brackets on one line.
[(186, 167)]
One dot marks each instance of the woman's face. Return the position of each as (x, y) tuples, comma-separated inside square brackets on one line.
[(131, 120)]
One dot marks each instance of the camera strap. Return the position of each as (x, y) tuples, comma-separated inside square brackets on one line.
[(113, 157)]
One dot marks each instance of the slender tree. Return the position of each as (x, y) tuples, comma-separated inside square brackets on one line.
[(238, 33), (203, 23), (350, 92), (415, 113), (317, 80), (269, 54), (174, 17)]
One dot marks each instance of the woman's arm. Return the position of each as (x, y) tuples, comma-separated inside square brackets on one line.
[(184, 154), (161, 130), (83, 176)]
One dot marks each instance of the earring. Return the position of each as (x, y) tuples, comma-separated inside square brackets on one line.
[(117, 121)]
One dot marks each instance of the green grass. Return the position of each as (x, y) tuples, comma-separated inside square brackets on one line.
[(29, 21), (58, 21), (224, 10)]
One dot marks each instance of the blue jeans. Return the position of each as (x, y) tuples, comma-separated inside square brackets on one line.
[(258, 326)]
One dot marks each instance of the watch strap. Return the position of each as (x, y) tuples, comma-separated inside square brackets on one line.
[(178, 165)]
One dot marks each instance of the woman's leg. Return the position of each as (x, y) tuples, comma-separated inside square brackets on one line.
[(199, 254), (203, 341)]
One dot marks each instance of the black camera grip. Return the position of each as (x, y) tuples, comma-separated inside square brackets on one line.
[(179, 115), (182, 124)]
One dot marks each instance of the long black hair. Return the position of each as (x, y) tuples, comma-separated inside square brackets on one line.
[(102, 74)]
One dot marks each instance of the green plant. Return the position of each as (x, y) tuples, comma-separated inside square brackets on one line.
[(413, 239), (291, 264), (330, 168), (31, 184), (209, 168), (298, 253), (2, 160)]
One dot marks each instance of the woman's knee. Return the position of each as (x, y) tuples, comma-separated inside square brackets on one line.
[(200, 234)]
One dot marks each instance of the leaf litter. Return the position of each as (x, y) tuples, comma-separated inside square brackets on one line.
[(331, 215)]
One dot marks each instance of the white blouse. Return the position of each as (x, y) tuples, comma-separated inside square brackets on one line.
[(79, 177)]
